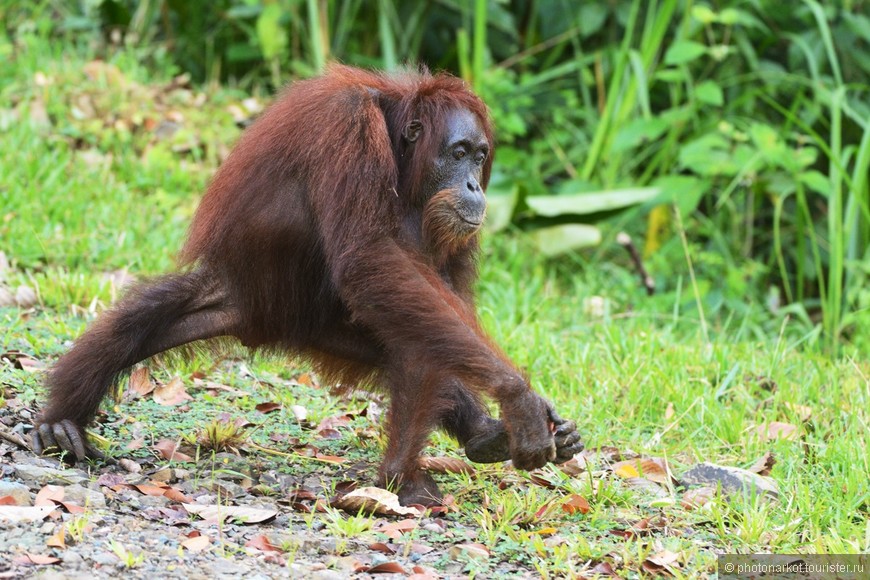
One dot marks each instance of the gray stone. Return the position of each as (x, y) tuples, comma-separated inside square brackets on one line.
[(19, 492), (87, 498), (33, 474), (327, 575), (731, 479)]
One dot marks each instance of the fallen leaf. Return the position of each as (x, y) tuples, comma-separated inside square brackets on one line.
[(111, 480), (661, 563), (7, 500), (394, 530), (388, 549), (473, 551), (147, 489), (697, 497), (603, 569), (58, 539), (421, 573), (49, 495), (329, 434), (373, 500), (35, 560), (422, 549), (262, 543), (168, 450), (805, 413), (385, 568), (196, 544), (176, 495), (267, 407), (575, 466), (651, 468), (171, 394), (335, 422), (446, 465), (764, 464), (776, 430), (240, 514), (128, 464), (16, 514), (576, 503), (140, 382)]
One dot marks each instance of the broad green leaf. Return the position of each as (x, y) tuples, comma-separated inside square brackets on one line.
[(638, 132), (816, 181), (683, 191), (270, 33), (500, 209), (703, 14), (684, 51), (709, 92), (557, 240), (587, 203)]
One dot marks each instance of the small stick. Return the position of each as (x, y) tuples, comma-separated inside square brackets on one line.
[(14, 439), (624, 240)]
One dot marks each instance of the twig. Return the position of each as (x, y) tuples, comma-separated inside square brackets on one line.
[(624, 240), (14, 439)]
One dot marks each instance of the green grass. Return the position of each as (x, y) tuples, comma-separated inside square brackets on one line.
[(66, 221)]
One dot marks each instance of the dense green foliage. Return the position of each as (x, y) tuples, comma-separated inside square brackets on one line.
[(740, 122)]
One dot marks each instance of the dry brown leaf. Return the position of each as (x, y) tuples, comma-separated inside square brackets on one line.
[(49, 495), (697, 497), (652, 468), (147, 489), (168, 450), (128, 464), (576, 503), (140, 381), (388, 549), (776, 430), (176, 495), (661, 563), (385, 568), (394, 530), (58, 539), (267, 407), (262, 543), (421, 573), (171, 394), (35, 559), (196, 543), (603, 569), (374, 500), (764, 464), (474, 551), (446, 465), (805, 413), (329, 434), (575, 466)]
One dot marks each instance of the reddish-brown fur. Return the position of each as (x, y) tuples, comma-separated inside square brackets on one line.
[(315, 237)]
